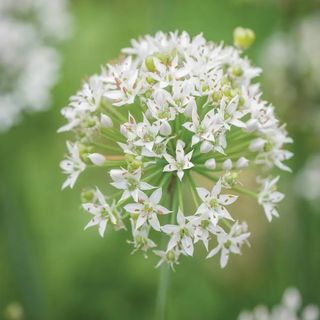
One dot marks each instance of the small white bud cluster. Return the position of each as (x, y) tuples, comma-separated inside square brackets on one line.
[(173, 109)]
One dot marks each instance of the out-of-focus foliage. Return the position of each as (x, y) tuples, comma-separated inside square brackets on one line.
[(54, 270)]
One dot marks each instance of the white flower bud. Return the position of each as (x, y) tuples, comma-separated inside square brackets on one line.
[(206, 147), (242, 163), (210, 164), (97, 158), (257, 144), (106, 121), (227, 165), (252, 125), (165, 129), (123, 130)]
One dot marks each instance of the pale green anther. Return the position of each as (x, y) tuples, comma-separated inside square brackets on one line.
[(148, 94), (164, 59), (147, 208), (159, 148), (148, 137), (200, 130), (237, 71), (268, 146), (213, 203), (150, 64), (243, 38), (180, 165), (204, 224), (217, 95), (184, 232), (91, 123), (163, 114), (87, 196), (141, 241), (225, 80), (134, 216), (170, 256), (205, 87), (227, 91), (228, 244), (232, 179), (151, 80), (134, 165), (132, 184)]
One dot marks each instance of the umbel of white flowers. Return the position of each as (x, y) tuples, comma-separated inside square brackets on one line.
[(288, 309), (29, 61), (173, 114)]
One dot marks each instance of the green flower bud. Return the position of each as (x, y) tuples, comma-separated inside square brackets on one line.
[(243, 38), (87, 196)]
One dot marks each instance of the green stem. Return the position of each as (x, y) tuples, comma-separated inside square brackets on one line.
[(164, 269)]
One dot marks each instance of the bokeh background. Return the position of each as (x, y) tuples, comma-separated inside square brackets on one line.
[(53, 270)]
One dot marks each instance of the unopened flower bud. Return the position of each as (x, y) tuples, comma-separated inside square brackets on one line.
[(227, 165), (210, 164), (242, 163), (106, 121), (97, 158), (243, 38), (165, 129), (205, 147)]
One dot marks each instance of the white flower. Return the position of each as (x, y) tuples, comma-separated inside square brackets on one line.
[(141, 240), (97, 158), (121, 82), (148, 209), (181, 162), (214, 203), (170, 257), (180, 235), (72, 166), (175, 103), (102, 213), (129, 182), (29, 60), (288, 309), (269, 197), (229, 243), (204, 131)]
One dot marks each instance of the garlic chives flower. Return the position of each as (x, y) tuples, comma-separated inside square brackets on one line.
[(288, 309), (173, 109), (29, 61)]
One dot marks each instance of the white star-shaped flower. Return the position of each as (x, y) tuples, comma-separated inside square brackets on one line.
[(214, 203), (180, 235), (130, 183), (148, 209), (181, 162), (72, 166), (269, 197), (229, 242), (102, 213)]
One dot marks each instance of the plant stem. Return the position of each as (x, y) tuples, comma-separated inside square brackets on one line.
[(164, 269), (162, 292)]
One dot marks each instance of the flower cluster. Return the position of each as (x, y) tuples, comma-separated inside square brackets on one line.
[(29, 63), (287, 310), (174, 114)]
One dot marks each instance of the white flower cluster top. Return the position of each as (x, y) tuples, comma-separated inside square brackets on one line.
[(29, 63), (288, 309), (172, 114)]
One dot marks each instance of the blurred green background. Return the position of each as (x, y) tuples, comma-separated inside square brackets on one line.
[(54, 270)]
